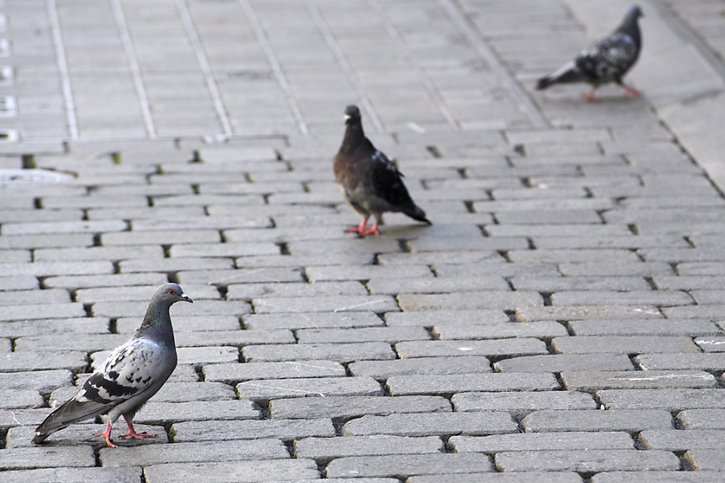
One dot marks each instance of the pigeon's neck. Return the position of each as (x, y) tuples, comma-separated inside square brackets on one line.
[(630, 27), (157, 321), (354, 136)]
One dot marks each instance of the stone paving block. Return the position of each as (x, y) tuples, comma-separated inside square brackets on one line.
[(561, 256), (694, 311), (202, 307), (557, 284), (406, 465), (98, 281), (592, 380), (20, 398), (284, 429), (630, 420), (350, 406), (28, 458), (711, 344), (246, 471), (79, 475), (57, 268), (164, 412), (427, 258), (98, 253), (491, 347), (587, 460), (521, 403), (712, 361), (266, 389), (565, 362), (43, 381), (461, 270), (78, 325), (422, 365), (520, 477), (48, 240), (705, 459), (453, 383), (393, 286), (194, 391), (644, 269), (643, 327), (235, 338), (679, 440), (370, 334), (228, 249), (689, 282), (623, 344), (194, 452), (329, 448), (497, 243), (20, 282), (177, 264), (671, 398), (708, 297), (44, 311), (431, 424), (315, 247), (34, 297), (61, 227), (165, 237), (445, 317), (468, 301), (312, 320), (657, 476), (650, 297), (339, 303), (34, 361), (334, 352), (589, 241), (252, 290), (587, 312), (544, 330), (232, 373), (367, 272), (499, 443), (702, 418)]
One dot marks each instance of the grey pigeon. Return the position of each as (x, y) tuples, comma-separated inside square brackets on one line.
[(606, 61), (369, 181), (129, 376)]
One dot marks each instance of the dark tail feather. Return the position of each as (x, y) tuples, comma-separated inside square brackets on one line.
[(70, 412), (567, 73), (417, 213)]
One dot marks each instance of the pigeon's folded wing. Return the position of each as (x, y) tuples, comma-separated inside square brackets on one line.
[(388, 181), (608, 59)]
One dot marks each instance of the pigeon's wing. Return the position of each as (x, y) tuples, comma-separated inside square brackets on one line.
[(387, 181), (127, 372), (608, 59)]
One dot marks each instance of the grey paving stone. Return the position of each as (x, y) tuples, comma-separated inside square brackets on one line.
[(643, 327), (623, 344), (202, 307), (28, 458), (173, 264), (347, 303), (98, 253), (587, 461), (671, 398), (246, 471), (335, 352), (565, 362), (194, 452), (437, 257), (589, 241), (705, 459), (445, 317), (43, 381), (232, 373), (422, 365), (689, 283), (544, 330), (264, 389), (494, 347), (679, 440), (311, 320), (431, 424), (97, 281), (70, 342), (711, 344), (285, 429), (33, 361), (34, 297), (453, 383), (434, 285), (468, 301), (25, 327), (44, 311), (592, 380), (657, 476), (79, 475), (21, 282), (702, 418), (596, 420), (367, 272), (48, 240), (712, 361), (406, 465), (521, 477), (650, 297), (556, 284), (251, 291), (371, 334), (587, 312), (329, 448), (165, 237), (350, 406), (165, 412), (20, 398), (60, 227), (459, 270), (499, 443), (521, 403)]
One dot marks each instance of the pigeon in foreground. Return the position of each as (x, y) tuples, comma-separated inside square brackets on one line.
[(369, 181), (605, 61), (129, 376)]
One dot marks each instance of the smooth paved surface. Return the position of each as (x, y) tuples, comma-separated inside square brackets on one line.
[(561, 320)]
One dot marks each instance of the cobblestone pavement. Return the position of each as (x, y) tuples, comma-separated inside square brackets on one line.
[(561, 321)]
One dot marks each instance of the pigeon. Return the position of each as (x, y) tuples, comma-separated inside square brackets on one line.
[(129, 376), (605, 61), (370, 181)]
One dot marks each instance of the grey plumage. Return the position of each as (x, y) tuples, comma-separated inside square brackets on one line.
[(608, 60), (368, 180), (129, 376)]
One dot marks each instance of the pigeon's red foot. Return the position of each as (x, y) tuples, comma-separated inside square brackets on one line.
[(632, 91), (589, 96), (361, 229), (132, 434), (373, 230), (107, 435)]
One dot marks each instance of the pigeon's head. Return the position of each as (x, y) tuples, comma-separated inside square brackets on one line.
[(170, 293), (634, 13), (352, 115)]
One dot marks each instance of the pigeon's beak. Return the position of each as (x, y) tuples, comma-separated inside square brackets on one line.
[(347, 118), (186, 298)]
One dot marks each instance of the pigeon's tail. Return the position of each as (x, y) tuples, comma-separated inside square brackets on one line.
[(70, 412), (567, 73), (417, 213)]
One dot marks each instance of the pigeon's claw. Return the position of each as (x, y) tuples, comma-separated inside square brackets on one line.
[(107, 435), (360, 229), (132, 434), (589, 96), (373, 230)]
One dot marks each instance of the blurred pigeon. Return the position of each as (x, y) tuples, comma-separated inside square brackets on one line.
[(129, 376), (369, 181), (605, 61)]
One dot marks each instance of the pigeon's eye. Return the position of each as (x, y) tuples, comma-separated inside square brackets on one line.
[(171, 291)]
